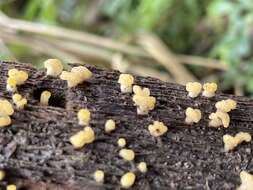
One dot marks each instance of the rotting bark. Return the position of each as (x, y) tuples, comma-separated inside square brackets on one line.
[(36, 153)]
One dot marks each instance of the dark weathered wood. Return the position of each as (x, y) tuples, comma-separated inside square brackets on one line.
[(35, 150)]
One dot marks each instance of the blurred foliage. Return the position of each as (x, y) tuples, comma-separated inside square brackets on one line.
[(219, 28)]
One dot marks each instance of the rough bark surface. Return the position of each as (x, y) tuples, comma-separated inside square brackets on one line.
[(36, 153)]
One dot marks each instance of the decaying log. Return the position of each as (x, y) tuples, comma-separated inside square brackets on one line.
[(36, 153)]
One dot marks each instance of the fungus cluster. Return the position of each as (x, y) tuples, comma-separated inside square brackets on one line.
[(6, 110), (143, 100), (110, 125), (209, 89), (246, 181), (76, 76), (121, 142), (19, 101), (54, 67), (84, 116), (127, 180), (226, 105), (142, 166), (44, 98), (99, 176), (192, 115), (15, 77), (126, 82), (193, 89), (127, 154), (83, 137), (231, 142), (157, 129)]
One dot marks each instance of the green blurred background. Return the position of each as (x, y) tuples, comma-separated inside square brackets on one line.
[(173, 40)]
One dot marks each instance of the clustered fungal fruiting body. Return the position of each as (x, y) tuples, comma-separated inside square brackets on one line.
[(76, 76), (192, 115), (99, 176), (218, 119), (157, 129), (110, 125), (54, 67), (19, 101), (2, 175), (209, 89), (142, 166), (246, 181), (121, 142), (11, 187), (127, 180), (193, 89), (44, 98), (126, 82), (6, 110), (86, 136), (127, 154), (226, 105), (143, 100), (231, 142), (15, 77), (84, 117)]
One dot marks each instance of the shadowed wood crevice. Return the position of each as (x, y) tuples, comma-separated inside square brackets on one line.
[(35, 149)]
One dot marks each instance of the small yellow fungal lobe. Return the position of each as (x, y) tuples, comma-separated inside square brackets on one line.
[(193, 89), (144, 104), (246, 181), (226, 105), (83, 137), (6, 108), (11, 85), (209, 89), (192, 115), (18, 75), (127, 180), (157, 129), (19, 101), (2, 175), (141, 91), (127, 154), (126, 81), (122, 142), (231, 142), (110, 126), (76, 76), (44, 98), (84, 116), (5, 121), (54, 67), (11, 187), (218, 119), (142, 166), (99, 176)]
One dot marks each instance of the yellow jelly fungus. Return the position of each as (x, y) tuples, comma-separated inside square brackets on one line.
[(84, 116), (246, 181), (77, 76), (44, 98), (141, 91), (6, 108), (157, 129), (127, 180), (126, 81), (193, 89), (110, 126), (99, 176), (83, 137), (218, 119), (209, 89), (18, 75), (54, 67), (19, 101), (2, 175), (5, 121), (127, 154), (11, 187), (11, 85), (144, 104), (231, 142), (192, 115), (121, 142), (142, 166), (226, 105)]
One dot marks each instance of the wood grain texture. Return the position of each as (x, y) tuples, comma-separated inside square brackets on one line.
[(36, 153)]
